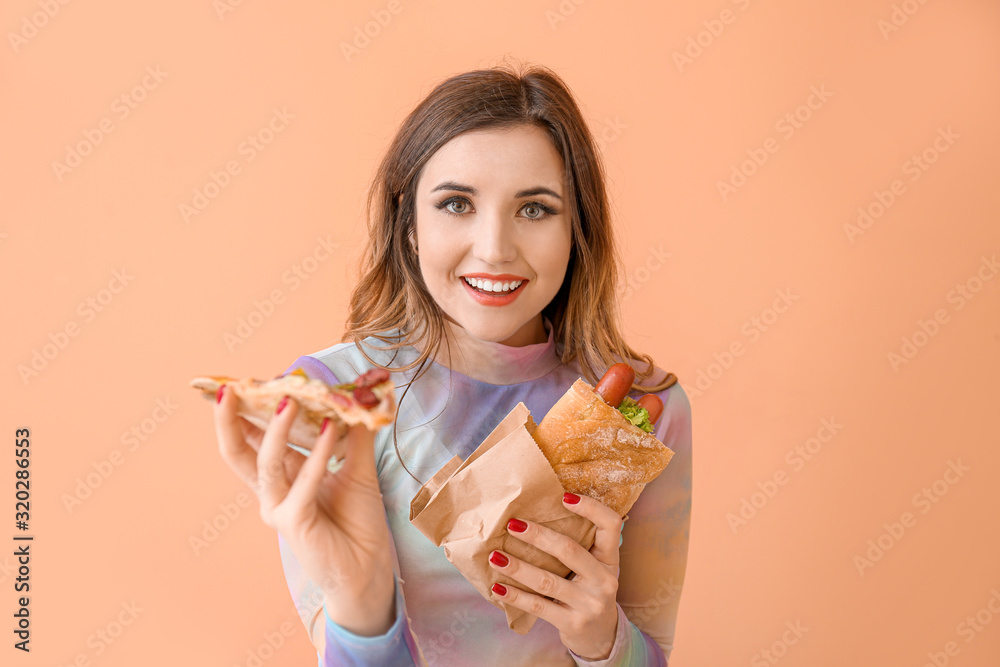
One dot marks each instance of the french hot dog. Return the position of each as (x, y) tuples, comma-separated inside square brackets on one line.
[(597, 450)]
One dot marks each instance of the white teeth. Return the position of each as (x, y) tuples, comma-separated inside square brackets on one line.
[(490, 286)]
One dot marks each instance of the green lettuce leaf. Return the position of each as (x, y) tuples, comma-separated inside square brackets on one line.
[(639, 416)]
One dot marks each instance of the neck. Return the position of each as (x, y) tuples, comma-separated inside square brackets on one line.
[(496, 363)]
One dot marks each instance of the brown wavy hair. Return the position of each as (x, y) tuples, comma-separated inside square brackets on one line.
[(391, 293)]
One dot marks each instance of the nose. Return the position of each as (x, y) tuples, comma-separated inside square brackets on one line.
[(495, 241)]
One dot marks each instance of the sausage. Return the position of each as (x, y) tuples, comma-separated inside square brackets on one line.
[(366, 397), (653, 405), (371, 378), (615, 384)]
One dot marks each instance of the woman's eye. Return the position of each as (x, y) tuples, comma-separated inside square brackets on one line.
[(532, 210), (540, 210), (536, 208)]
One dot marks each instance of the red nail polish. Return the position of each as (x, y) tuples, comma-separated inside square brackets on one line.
[(281, 406), (498, 559), (326, 421), (499, 589), (571, 498), (517, 526), (218, 394)]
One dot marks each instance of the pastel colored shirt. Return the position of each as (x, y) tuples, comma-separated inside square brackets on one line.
[(440, 618)]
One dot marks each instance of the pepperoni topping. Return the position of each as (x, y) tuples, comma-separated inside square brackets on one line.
[(366, 397), (372, 377), (340, 399)]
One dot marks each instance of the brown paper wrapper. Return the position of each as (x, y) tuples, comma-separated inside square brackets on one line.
[(466, 505)]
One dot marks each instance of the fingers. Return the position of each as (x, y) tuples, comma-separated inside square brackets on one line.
[(271, 485), (359, 453), (311, 472), (232, 446), (565, 549), (609, 527), (531, 576), (252, 433), (547, 610)]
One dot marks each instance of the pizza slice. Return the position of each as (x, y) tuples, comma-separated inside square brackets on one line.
[(369, 400)]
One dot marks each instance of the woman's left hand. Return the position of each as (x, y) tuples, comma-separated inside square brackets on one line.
[(584, 608)]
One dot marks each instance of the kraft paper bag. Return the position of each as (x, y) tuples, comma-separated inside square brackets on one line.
[(465, 506)]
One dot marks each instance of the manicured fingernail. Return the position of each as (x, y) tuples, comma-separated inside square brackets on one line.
[(326, 420), (517, 526), (218, 394), (498, 559), (621, 538), (571, 498), (281, 406), (499, 589)]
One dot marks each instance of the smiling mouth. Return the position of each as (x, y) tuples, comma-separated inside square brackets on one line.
[(494, 288)]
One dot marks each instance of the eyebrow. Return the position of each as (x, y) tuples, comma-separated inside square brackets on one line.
[(530, 192)]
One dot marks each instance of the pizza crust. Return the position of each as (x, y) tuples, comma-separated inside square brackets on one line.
[(258, 400)]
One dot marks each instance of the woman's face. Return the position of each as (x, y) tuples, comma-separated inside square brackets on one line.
[(490, 206)]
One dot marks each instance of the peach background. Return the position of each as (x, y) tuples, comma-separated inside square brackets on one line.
[(679, 131)]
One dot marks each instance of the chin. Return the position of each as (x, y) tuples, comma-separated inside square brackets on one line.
[(489, 331)]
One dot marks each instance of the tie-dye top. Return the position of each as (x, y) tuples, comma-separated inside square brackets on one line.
[(441, 619)]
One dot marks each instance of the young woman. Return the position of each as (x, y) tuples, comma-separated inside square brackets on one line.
[(489, 278)]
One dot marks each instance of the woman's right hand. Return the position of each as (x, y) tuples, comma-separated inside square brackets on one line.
[(334, 523)]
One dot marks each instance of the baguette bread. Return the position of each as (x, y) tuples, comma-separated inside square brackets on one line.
[(595, 451)]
